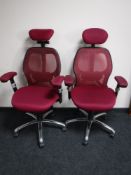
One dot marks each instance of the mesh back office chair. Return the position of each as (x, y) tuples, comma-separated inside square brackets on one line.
[(89, 90), (41, 67)]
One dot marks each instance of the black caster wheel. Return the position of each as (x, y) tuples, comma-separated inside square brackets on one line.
[(41, 145), (64, 128), (112, 135), (16, 134), (85, 142)]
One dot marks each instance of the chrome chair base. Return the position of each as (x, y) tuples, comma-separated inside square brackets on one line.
[(90, 121), (39, 121)]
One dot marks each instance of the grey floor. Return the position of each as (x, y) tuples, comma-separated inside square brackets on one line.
[(63, 153)]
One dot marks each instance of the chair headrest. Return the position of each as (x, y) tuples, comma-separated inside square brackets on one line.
[(94, 36), (41, 34)]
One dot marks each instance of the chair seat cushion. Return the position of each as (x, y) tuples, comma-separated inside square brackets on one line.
[(92, 98), (34, 98)]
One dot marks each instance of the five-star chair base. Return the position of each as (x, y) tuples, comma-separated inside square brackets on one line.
[(39, 121), (91, 119)]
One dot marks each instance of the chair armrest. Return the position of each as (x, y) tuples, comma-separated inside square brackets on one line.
[(69, 80), (7, 76), (57, 81), (121, 82)]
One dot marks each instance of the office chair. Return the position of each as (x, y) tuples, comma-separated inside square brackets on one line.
[(88, 90), (41, 67)]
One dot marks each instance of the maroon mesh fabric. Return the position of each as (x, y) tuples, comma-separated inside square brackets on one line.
[(92, 66), (40, 65)]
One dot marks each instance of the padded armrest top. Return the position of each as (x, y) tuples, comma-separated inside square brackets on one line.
[(41, 34), (121, 81), (7, 76), (57, 81), (69, 80)]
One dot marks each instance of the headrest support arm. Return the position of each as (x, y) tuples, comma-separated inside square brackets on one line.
[(93, 45), (43, 43)]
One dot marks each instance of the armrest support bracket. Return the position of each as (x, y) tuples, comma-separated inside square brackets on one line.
[(69, 82), (57, 83)]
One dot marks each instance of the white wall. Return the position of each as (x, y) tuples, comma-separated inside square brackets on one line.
[(68, 19)]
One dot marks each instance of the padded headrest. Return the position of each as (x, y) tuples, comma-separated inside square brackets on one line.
[(94, 36), (41, 34)]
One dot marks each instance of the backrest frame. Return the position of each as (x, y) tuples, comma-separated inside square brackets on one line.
[(77, 83), (46, 72)]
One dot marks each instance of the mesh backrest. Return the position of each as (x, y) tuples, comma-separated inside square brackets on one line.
[(92, 66), (40, 65)]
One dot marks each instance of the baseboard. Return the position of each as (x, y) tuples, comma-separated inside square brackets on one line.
[(67, 108)]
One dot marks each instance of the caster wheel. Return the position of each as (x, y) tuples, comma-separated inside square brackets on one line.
[(16, 134), (85, 142), (64, 128), (41, 145), (112, 135)]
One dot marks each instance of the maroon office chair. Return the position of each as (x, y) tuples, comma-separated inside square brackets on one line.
[(41, 67), (89, 90)]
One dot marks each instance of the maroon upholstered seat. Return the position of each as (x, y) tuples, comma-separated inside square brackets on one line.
[(41, 67), (34, 98), (92, 98), (89, 90)]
